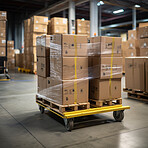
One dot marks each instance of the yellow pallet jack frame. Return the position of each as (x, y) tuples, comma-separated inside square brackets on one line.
[(24, 70), (69, 116)]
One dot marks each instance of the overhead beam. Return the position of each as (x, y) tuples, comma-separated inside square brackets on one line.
[(123, 24)]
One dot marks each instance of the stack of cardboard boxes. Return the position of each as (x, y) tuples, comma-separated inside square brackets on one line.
[(35, 26), (136, 77), (68, 81), (83, 27), (143, 41), (58, 25), (105, 68), (3, 19), (10, 55)]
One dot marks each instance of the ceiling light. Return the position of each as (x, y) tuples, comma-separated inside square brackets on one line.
[(137, 6), (100, 3), (118, 11)]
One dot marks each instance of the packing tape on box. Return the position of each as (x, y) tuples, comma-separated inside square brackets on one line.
[(111, 69), (75, 82)]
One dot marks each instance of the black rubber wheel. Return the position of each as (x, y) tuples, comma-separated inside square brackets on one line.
[(41, 109), (118, 115), (69, 125)]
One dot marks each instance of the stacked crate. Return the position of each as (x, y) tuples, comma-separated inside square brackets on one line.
[(3, 19), (43, 62), (143, 41), (26, 44), (83, 27), (105, 68), (68, 81), (10, 55), (133, 43), (36, 26), (58, 25)]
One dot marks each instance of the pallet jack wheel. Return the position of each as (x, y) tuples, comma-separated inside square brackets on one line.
[(69, 124), (41, 109), (118, 115)]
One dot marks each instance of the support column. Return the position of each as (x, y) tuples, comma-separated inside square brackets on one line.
[(22, 31), (99, 20), (64, 13), (47, 13), (71, 17), (93, 18), (134, 18)]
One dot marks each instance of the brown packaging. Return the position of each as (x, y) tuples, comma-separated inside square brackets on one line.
[(68, 43), (2, 51), (2, 41), (68, 91), (39, 20), (102, 90), (104, 46), (132, 34), (43, 67), (68, 68), (143, 32), (3, 15), (39, 28), (101, 67), (10, 44), (42, 84)]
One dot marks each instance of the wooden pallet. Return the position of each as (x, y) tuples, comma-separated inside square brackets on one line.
[(27, 71), (136, 94), (99, 103), (62, 108)]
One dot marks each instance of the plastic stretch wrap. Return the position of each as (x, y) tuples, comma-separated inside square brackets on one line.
[(74, 61)]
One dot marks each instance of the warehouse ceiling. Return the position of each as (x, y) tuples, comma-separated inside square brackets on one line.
[(26, 8)]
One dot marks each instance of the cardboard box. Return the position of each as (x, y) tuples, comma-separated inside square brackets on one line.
[(39, 20), (101, 67), (59, 21), (10, 44), (139, 73), (132, 34), (10, 52), (10, 64), (43, 67), (83, 30), (33, 36), (133, 44), (2, 42), (83, 23), (65, 93), (19, 60), (102, 90), (131, 52), (3, 15), (144, 52), (39, 28), (143, 25), (103, 45), (129, 77), (146, 73), (27, 26), (65, 45), (2, 32), (143, 32), (56, 29), (135, 73), (143, 43), (2, 51), (68, 68), (42, 85), (44, 49)]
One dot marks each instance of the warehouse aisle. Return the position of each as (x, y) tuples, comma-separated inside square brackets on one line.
[(22, 125)]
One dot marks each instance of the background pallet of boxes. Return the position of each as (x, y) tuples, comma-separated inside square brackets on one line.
[(36, 26), (83, 27), (65, 81), (10, 55), (57, 25), (143, 41), (3, 19), (105, 70)]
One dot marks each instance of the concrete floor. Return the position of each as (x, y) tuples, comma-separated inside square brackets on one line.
[(22, 125)]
